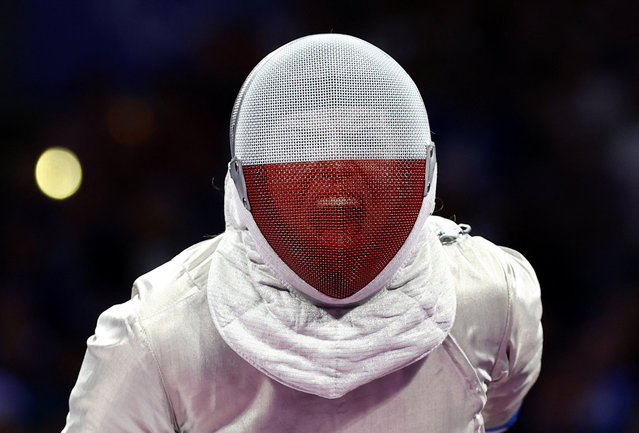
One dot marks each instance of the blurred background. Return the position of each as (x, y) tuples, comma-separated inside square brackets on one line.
[(534, 106)]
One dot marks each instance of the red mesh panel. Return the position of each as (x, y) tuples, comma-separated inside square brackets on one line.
[(336, 224)]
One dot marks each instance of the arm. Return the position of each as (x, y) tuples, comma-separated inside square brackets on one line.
[(519, 358), (120, 386)]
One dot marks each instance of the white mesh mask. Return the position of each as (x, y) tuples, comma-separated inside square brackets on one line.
[(332, 157)]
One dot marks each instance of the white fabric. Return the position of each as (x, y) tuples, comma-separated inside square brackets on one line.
[(158, 364), (327, 352)]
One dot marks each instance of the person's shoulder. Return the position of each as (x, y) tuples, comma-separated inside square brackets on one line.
[(494, 284), (490, 266), (181, 277)]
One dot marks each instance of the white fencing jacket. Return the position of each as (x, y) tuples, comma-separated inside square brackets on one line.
[(161, 363)]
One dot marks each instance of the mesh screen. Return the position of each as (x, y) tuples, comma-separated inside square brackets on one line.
[(332, 135), (329, 97), (336, 224)]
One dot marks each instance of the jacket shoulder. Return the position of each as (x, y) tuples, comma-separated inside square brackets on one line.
[(175, 280), (483, 270), (493, 285)]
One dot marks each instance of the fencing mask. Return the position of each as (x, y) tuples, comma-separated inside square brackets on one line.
[(332, 158)]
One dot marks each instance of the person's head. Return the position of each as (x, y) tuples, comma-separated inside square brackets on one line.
[(332, 157)]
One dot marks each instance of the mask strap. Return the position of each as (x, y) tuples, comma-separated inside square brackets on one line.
[(431, 163)]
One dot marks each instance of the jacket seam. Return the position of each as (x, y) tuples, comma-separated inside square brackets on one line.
[(507, 325), (147, 342)]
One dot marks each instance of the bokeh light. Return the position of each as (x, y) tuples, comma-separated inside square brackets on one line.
[(130, 121), (58, 173)]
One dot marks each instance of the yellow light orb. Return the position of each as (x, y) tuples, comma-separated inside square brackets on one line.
[(58, 173)]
